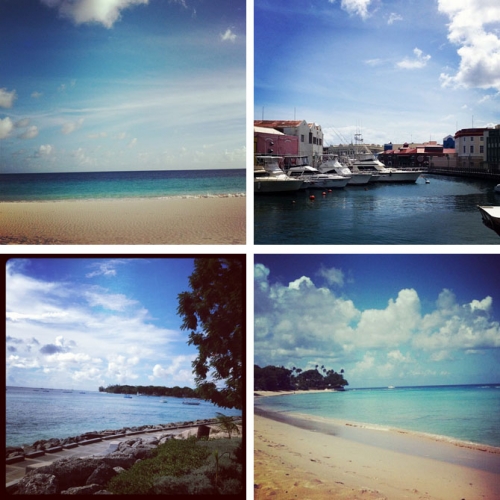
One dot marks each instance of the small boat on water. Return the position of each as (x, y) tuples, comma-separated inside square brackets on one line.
[(127, 396), (270, 178), (190, 403), (164, 401), (331, 165), (491, 217)]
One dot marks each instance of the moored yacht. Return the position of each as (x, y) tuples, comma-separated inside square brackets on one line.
[(297, 168), (367, 163), (331, 165), (270, 178)]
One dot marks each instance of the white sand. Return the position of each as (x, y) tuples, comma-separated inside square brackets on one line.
[(292, 462), (165, 221)]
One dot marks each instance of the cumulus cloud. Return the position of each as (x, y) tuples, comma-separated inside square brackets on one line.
[(178, 371), (228, 36), (6, 127), (301, 321), (45, 150), (473, 28), (355, 7), (7, 98), (105, 12), (30, 132), (36, 95), (70, 127), (419, 61), (105, 268), (332, 276)]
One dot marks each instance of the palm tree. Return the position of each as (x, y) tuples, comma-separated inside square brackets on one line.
[(226, 424)]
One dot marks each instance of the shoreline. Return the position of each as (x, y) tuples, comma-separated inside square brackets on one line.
[(266, 394), (302, 458), (210, 220)]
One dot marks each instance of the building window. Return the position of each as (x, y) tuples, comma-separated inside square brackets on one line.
[(481, 139), (465, 150), (472, 149), (310, 137), (472, 138), (481, 149), (302, 138)]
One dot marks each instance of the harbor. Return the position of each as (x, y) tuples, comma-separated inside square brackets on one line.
[(434, 210)]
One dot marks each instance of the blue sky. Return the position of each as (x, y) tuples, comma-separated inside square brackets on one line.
[(122, 85), (394, 70), (85, 322), (384, 319)]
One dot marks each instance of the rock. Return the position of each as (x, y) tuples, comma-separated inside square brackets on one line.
[(71, 472), (101, 475), (82, 490), (14, 450), (38, 484)]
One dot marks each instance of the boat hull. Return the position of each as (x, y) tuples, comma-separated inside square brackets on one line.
[(271, 185), (398, 176), (491, 217)]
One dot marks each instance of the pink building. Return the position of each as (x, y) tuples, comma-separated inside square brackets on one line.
[(268, 141)]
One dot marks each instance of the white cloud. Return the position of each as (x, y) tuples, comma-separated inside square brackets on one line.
[(46, 150), (6, 127), (420, 60), (7, 98), (22, 123), (132, 143), (105, 12), (179, 371), (394, 17), (228, 36), (106, 268), (332, 276), (70, 127), (355, 7), (36, 95), (474, 28), (113, 302), (30, 132)]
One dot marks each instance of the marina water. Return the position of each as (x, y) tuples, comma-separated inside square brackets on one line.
[(109, 185), (32, 415), (442, 212), (465, 413)]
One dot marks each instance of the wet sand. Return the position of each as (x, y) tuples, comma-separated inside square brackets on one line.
[(300, 457), (159, 221)]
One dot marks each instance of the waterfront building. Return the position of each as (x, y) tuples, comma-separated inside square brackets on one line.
[(471, 150), (422, 155), (309, 135), (492, 139), (269, 141)]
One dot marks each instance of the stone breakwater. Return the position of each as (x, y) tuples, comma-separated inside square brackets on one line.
[(27, 451), (89, 474)]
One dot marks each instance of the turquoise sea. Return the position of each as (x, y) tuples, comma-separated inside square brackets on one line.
[(140, 184), (463, 412), (35, 414)]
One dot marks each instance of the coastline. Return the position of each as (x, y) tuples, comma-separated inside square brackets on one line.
[(297, 457), (266, 394), (146, 221)]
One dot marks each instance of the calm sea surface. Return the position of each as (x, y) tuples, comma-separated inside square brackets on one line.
[(32, 415), (148, 184), (467, 413), (439, 213)]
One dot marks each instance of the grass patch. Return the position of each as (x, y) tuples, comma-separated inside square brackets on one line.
[(186, 467)]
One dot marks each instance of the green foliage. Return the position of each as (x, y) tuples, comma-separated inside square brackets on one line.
[(174, 458), (214, 312), (226, 424), (274, 378), (181, 467), (152, 390)]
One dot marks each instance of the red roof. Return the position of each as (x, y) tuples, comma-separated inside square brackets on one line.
[(277, 123)]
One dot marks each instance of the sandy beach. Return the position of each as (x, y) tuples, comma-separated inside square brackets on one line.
[(158, 221), (320, 460)]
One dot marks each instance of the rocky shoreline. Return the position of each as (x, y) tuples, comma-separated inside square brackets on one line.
[(89, 475)]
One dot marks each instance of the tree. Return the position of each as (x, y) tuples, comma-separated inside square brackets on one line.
[(214, 312)]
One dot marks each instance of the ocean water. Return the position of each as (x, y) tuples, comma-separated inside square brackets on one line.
[(443, 212), (465, 413), (32, 415), (140, 184)]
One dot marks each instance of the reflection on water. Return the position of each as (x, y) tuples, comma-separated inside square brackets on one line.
[(441, 212)]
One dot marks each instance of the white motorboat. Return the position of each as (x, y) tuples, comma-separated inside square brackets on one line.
[(297, 167), (367, 163), (491, 217), (331, 165), (270, 178)]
